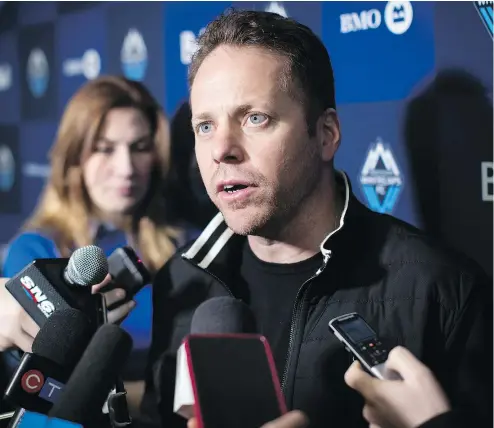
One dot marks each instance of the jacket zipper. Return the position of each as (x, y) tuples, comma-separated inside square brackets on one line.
[(302, 290)]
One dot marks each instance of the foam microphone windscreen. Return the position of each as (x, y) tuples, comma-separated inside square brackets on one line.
[(223, 315), (94, 377), (63, 337)]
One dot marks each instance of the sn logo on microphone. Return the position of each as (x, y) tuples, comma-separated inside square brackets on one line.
[(36, 295), (33, 381)]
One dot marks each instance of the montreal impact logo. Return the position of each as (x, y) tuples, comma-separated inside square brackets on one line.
[(380, 178)]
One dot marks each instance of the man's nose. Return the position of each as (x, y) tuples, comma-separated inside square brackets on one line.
[(227, 146)]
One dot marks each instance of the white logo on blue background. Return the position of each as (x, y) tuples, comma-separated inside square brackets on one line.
[(37, 72), (89, 65), (7, 168), (5, 77), (398, 16), (134, 55), (381, 178), (188, 45), (277, 7)]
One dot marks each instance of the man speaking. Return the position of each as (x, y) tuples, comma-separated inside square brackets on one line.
[(294, 243)]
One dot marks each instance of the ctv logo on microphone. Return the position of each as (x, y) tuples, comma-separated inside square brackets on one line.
[(33, 382), (37, 296)]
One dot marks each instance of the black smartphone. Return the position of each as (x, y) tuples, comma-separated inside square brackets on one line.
[(362, 341)]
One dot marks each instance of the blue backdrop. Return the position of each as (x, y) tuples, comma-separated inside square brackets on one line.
[(413, 85)]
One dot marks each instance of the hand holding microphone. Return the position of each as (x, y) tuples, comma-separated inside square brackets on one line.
[(406, 403), (47, 285), (112, 298), (17, 328)]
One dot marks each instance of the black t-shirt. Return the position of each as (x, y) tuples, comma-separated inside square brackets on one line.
[(271, 292)]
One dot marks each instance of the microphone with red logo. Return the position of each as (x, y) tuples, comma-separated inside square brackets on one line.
[(41, 376), (49, 285)]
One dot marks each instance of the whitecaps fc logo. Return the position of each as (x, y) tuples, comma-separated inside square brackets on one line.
[(37, 72), (134, 55), (485, 10), (276, 7), (381, 178)]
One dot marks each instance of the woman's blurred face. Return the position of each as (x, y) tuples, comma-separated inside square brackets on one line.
[(118, 172)]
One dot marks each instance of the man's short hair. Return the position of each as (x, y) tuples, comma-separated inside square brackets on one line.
[(308, 75)]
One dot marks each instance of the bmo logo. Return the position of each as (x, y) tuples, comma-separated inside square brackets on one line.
[(398, 17), (33, 382)]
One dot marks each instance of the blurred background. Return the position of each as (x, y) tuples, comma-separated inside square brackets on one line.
[(414, 84)]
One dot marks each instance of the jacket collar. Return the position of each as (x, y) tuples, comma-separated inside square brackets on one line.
[(218, 248)]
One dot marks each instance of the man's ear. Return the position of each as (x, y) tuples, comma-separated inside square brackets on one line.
[(329, 134)]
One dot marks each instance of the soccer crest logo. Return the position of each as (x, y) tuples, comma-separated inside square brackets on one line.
[(484, 8), (380, 178)]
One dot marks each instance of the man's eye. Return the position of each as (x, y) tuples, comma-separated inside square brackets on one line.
[(205, 128), (257, 118)]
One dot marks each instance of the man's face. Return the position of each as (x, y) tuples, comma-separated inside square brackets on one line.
[(254, 153)]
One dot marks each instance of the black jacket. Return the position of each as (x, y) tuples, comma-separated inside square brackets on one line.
[(411, 291), (451, 419)]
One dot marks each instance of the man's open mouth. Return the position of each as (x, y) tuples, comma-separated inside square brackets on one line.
[(232, 188)]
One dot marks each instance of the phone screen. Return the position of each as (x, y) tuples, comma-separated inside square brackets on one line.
[(234, 382), (356, 329)]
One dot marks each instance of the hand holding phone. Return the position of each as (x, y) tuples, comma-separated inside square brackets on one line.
[(362, 341)]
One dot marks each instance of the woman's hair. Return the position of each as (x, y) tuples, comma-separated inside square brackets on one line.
[(65, 208)]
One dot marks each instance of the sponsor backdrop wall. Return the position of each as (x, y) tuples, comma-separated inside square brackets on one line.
[(413, 84)]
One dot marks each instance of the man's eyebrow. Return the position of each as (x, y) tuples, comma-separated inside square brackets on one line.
[(239, 110), (200, 117)]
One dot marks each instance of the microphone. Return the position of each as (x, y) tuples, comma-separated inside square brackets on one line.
[(94, 377), (223, 315), (49, 285), (41, 375), (87, 265)]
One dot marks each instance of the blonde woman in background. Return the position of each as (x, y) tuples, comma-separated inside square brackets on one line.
[(109, 166)]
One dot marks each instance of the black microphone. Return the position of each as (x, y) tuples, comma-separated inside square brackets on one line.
[(223, 315), (49, 285), (94, 377), (41, 376)]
